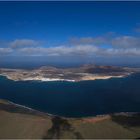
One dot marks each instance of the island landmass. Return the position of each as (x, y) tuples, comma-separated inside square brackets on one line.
[(85, 72)]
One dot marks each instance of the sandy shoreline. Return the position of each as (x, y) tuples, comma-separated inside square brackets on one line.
[(84, 78), (85, 118)]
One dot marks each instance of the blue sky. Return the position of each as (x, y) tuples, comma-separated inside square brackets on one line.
[(107, 32)]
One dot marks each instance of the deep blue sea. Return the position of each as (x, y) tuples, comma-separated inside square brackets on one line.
[(75, 99)]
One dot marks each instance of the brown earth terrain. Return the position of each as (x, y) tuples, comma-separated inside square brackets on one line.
[(20, 122)]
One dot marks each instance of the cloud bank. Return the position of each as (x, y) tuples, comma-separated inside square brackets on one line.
[(23, 43), (107, 46)]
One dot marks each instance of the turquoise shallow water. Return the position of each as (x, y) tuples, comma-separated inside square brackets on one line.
[(75, 99)]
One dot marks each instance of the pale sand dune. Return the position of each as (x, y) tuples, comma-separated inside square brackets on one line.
[(100, 77)]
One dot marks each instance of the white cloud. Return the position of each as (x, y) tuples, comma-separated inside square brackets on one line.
[(79, 50), (24, 43), (123, 46), (122, 52), (59, 50), (126, 42), (112, 41), (5, 51)]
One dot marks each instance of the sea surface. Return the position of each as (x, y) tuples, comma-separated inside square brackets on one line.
[(75, 99)]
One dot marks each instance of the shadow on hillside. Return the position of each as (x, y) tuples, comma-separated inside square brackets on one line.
[(132, 120), (59, 127)]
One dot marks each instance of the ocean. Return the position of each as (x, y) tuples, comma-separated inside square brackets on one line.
[(75, 99)]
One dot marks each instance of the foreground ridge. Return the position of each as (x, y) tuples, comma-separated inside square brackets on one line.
[(40, 125)]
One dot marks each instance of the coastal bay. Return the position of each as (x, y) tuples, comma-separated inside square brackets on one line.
[(75, 99)]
